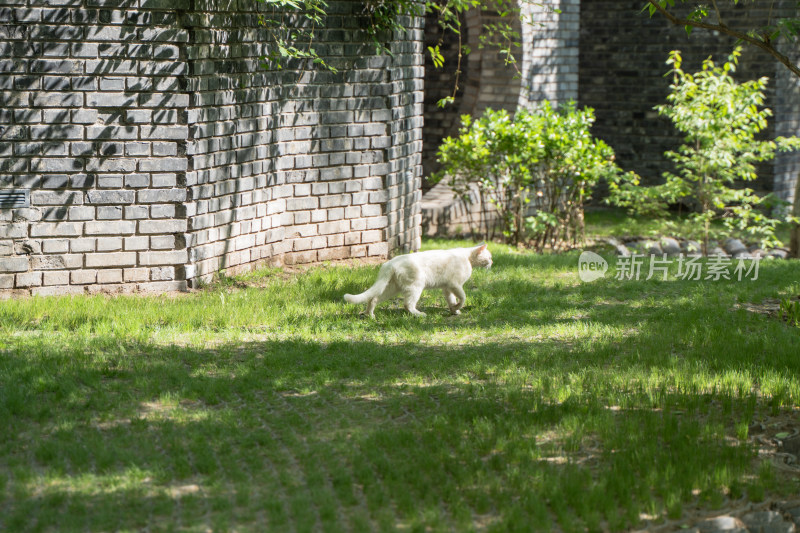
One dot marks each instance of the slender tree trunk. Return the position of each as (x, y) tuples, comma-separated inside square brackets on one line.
[(794, 244)]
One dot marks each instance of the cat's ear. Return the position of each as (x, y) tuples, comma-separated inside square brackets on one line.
[(480, 248)]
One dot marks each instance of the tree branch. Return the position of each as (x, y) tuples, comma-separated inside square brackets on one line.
[(766, 46), (719, 15)]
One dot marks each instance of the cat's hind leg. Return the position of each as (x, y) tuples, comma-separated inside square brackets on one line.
[(410, 298), (389, 292), (451, 300)]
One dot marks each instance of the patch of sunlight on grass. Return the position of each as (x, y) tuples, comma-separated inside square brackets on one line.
[(87, 483)]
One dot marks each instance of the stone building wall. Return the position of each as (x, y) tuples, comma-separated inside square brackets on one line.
[(786, 109), (550, 45), (546, 68), (154, 150)]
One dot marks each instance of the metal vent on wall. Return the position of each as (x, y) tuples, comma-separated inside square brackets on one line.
[(14, 199)]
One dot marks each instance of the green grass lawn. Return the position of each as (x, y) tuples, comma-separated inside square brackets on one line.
[(266, 403)]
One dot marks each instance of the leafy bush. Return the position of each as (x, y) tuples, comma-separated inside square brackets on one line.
[(720, 119), (543, 158)]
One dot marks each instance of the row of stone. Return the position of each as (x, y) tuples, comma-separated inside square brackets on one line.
[(782, 518), (672, 246)]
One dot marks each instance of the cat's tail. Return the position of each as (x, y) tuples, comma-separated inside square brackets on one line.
[(376, 290)]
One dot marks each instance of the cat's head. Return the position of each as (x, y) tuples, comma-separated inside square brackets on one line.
[(481, 256)]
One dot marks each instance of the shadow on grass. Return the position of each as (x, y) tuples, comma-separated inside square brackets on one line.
[(307, 435)]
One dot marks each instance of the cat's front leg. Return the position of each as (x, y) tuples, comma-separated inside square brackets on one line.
[(461, 296), (451, 300)]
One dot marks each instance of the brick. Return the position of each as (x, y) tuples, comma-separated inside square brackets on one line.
[(111, 197), (358, 251), (331, 254), (78, 246), (109, 244), (166, 180), (162, 226), (84, 116), (56, 198), (83, 277), (111, 227), (175, 132), (136, 274), (111, 165), (109, 212), (55, 246), (163, 164), (27, 247), (137, 180), (335, 201), (137, 148), (57, 229), (13, 231), (54, 182), (13, 264), (339, 226), (57, 291), (111, 100), (162, 273), (112, 132), (162, 242), (57, 99), (138, 116), (29, 279), (112, 275), (162, 286), (174, 257), (296, 204), (56, 165), (378, 249), (149, 196), (377, 222), (371, 236), (6, 281), (111, 259), (298, 258), (136, 243), (162, 211), (56, 278), (165, 148)]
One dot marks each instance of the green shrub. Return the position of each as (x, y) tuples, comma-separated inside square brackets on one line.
[(546, 156), (720, 119)]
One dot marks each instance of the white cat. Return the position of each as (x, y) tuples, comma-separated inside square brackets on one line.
[(408, 275)]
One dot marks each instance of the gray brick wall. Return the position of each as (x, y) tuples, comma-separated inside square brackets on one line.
[(622, 65), (609, 55), (158, 151)]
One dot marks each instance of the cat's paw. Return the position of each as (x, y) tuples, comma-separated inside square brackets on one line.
[(455, 313)]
